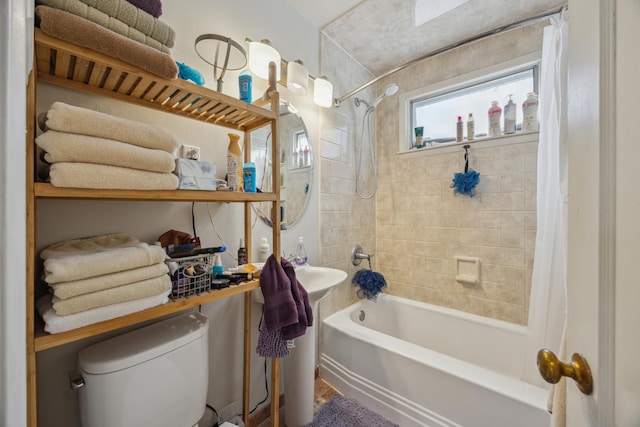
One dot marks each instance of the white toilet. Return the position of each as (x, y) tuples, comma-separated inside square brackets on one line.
[(154, 376)]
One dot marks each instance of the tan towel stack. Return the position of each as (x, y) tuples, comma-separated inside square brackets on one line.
[(116, 28), (89, 149), (100, 278)]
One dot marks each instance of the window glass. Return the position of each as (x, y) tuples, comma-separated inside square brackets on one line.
[(438, 112)]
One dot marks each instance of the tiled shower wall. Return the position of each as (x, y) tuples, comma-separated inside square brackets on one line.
[(421, 225), (345, 218)]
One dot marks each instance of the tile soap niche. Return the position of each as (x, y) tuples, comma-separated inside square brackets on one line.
[(467, 270)]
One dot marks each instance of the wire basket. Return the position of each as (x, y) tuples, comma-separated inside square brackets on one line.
[(192, 275)]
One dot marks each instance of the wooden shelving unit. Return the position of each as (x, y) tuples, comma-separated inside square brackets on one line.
[(70, 66)]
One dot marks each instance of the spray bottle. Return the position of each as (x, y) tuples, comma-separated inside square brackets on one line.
[(234, 164), (218, 268)]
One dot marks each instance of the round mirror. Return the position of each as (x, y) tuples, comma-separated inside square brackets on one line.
[(296, 166)]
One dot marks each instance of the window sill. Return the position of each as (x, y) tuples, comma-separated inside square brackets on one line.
[(451, 147)]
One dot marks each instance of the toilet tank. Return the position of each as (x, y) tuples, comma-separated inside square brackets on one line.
[(153, 376)]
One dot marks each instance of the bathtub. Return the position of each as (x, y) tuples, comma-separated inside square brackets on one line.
[(419, 364)]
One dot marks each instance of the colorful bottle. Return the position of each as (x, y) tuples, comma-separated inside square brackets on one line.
[(242, 254), (510, 117), (244, 85), (307, 156), (217, 269), (530, 113), (470, 128), (459, 127), (249, 177), (495, 113), (234, 164)]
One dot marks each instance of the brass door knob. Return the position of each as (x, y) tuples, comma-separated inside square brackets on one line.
[(553, 369)]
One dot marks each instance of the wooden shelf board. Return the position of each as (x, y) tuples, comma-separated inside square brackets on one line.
[(44, 340), (45, 190), (72, 66)]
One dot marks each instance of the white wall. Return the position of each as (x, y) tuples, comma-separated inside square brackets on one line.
[(61, 220), (15, 28)]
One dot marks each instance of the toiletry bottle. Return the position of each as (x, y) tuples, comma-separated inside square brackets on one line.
[(470, 128), (218, 269), (249, 177), (242, 253), (244, 85), (265, 249), (530, 113), (495, 113), (300, 255), (307, 156), (234, 164), (459, 129), (510, 117), (300, 157)]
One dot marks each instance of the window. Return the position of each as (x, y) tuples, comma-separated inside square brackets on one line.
[(437, 108)]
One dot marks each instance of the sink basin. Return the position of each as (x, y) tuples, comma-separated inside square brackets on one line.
[(317, 281)]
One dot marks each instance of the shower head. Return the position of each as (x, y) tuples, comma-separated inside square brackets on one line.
[(388, 91)]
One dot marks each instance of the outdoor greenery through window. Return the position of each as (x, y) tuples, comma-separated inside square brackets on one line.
[(438, 112)]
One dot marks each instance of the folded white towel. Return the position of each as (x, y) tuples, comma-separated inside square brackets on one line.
[(86, 245), (55, 324), (65, 290), (68, 118), (90, 175), (70, 147), (85, 265), (133, 291)]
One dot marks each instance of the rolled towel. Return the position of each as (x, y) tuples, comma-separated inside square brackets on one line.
[(82, 32), (88, 175), (136, 17), (75, 267), (55, 324), (92, 14), (152, 7), (133, 291), (69, 147), (66, 290), (89, 245), (63, 117)]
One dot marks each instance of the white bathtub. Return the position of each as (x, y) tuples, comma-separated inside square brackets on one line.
[(423, 365)]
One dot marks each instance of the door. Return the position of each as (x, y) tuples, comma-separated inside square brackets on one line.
[(604, 202)]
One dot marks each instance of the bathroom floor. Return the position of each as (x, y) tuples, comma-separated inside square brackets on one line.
[(322, 394)]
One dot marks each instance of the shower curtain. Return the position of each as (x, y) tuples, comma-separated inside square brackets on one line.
[(548, 305)]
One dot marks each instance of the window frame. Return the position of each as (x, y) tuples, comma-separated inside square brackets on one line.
[(461, 82)]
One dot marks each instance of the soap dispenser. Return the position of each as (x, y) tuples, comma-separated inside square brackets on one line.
[(300, 255)]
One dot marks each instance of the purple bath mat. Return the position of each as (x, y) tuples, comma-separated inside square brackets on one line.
[(343, 411)]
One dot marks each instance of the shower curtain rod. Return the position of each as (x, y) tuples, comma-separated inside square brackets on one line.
[(521, 23)]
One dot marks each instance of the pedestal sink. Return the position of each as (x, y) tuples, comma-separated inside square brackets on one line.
[(299, 365)]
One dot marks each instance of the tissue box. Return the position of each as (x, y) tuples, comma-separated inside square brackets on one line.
[(196, 175)]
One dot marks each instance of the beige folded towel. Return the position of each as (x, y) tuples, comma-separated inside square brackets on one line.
[(89, 245), (66, 290), (92, 14), (63, 117), (136, 18), (89, 175), (137, 290), (55, 324), (84, 265), (69, 147), (82, 32)]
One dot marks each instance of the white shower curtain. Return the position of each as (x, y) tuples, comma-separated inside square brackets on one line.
[(547, 308)]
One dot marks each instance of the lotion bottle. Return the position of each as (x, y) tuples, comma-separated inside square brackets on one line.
[(510, 117), (530, 113), (495, 113), (459, 129), (470, 128), (265, 249), (234, 164), (218, 268)]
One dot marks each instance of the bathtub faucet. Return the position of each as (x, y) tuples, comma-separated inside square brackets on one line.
[(357, 255)]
